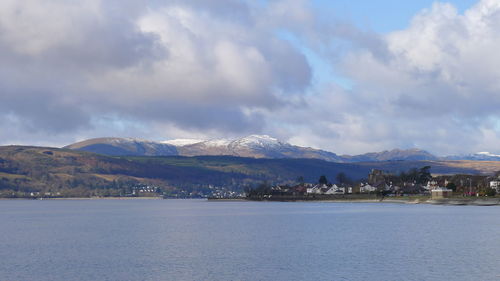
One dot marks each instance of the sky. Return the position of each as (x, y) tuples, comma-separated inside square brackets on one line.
[(345, 76)]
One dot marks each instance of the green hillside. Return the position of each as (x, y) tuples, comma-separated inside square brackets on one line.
[(69, 173)]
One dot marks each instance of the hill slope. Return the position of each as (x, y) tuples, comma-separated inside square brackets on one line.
[(124, 146), (75, 173), (255, 146), (392, 155)]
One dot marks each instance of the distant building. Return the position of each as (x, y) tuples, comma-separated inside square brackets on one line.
[(432, 184), (413, 188), (332, 190), (366, 188), (382, 186), (495, 185), (440, 193), (315, 189), (300, 190), (376, 177), (335, 190)]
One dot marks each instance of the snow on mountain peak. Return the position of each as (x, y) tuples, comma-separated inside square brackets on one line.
[(485, 153), (248, 141), (217, 142), (258, 140), (182, 142), (127, 140)]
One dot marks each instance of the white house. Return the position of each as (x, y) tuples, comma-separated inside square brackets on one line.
[(495, 185), (336, 190), (366, 188), (315, 189), (431, 185), (331, 190), (340, 190), (440, 192)]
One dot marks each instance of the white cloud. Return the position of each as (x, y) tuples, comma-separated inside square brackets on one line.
[(197, 68), (70, 64), (435, 87)]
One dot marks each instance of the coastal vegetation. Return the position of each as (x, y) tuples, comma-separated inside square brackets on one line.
[(35, 172), (416, 183)]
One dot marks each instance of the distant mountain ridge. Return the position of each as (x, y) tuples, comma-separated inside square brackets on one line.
[(68, 173), (257, 146), (254, 146), (124, 147), (413, 154), (480, 156)]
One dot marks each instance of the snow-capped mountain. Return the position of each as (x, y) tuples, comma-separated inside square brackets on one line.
[(256, 146), (480, 156), (182, 142)]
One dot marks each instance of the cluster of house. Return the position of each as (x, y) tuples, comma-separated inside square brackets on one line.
[(328, 190), (142, 188), (45, 194), (334, 189), (377, 182), (223, 192), (363, 188), (321, 189)]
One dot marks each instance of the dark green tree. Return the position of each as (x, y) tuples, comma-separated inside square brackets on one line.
[(342, 178), (323, 180), (490, 192), (300, 180), (452, 186), (424, 175)]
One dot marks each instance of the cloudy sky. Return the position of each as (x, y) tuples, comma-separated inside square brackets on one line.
[(346, 76)]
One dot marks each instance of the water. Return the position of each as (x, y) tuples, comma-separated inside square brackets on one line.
[(201, 240)]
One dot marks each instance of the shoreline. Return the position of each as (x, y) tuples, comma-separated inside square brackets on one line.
[(445, 201), (87, 198)]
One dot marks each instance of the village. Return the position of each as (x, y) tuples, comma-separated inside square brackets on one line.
[(379, 184)]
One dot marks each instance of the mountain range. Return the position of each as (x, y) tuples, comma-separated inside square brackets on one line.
[(254, 146), (25, 171)]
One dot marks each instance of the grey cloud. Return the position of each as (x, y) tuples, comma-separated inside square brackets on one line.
[(201, 65), (89, 42), (220, 68), (228, 10), (200, 117)]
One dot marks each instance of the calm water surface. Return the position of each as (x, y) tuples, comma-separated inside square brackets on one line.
[(201, 240)]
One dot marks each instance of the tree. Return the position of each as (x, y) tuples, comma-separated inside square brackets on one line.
[(342, 178), (490, 191), (452, 186), (300, 180), (424, 175), (323, 180)]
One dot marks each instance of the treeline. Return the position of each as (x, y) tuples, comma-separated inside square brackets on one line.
[(26, 170), (39, 172)]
